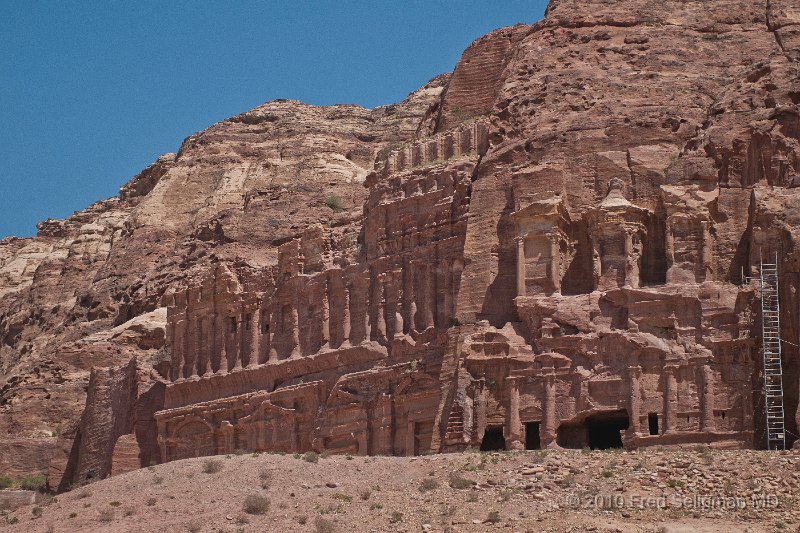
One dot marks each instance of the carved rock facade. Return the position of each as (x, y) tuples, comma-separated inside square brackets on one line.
[(555, 259)]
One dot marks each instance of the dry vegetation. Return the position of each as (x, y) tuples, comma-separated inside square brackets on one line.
[(469, 492)]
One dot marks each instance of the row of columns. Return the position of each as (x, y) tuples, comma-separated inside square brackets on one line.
[(549, 425), (368, 309)]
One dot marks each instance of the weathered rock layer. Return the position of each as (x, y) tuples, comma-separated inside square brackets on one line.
[(544, 249)]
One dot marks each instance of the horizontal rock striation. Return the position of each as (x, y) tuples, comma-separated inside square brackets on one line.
[(549, 248)]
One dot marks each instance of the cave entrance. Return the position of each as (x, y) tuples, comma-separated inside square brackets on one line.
[(532, 441), (652, 422), (604, 429), (493, 439)]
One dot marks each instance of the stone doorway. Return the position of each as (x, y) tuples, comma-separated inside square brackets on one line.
[(604, 429), (493, 439), (652, 423), (532, 441)]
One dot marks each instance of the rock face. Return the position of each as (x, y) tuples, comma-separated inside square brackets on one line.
[(544, 249)]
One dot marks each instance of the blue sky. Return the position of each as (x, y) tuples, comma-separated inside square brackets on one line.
[(92, 92)]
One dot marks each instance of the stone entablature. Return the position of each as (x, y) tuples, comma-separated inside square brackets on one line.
[(463, 140)]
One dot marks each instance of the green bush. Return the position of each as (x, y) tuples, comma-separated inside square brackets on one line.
[(6, 482), (256, 504), (334, 203), (212, 466), (311, 457), (457, 481), (428, 484), (33, 482)]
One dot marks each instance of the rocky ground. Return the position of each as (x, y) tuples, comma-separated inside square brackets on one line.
[(654, 490)]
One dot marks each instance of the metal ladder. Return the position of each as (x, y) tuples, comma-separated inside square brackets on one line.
[(771, 349)]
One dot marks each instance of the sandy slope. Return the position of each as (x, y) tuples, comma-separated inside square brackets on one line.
[(530, 491)]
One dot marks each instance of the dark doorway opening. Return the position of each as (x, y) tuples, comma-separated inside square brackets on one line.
[(652, 422), (532, 441), (604, 429), (493, 439)]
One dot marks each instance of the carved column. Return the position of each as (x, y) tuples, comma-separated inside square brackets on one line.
[(409, 295), (238, 342), (398, 312), (514, 439), (549, 425), (428, 298), (707, 400), (555, 261), (367, 297), (346, 314), (223, 358), (275, 323), (670, 398), (634, 399), (629, 259), (520, 266), (296, 351), (326, 314), (443, 290), (707, 253), (597, 263), (379, 291), (410, 438), (197, 335), (255, 339), (263, 324), (176, 372), (208, 347)]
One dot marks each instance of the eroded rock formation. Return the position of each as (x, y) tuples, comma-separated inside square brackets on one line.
[(544, 249)]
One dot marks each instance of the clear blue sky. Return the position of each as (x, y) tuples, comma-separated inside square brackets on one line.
[(91, 92)]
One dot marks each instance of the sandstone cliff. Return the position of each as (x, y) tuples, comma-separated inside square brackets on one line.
[(686, 111)]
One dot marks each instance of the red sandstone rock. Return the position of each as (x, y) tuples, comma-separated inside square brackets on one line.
[(544, 249)]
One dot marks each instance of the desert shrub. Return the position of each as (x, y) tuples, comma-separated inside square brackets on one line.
[(396, 517), (151, 502), (506, 494), (457, 481), (256, 504), (343, 497), (212, 466), (6, 482), (106, 515), (302, 519), (33, 482), (325, 454), (266, 479), (493, 517), (376, 506), (73, 515), (115, 503), (323, 525), (36, 512), (311, 457), (428, 484), (158, 480), (365, 494), (334, 203)]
